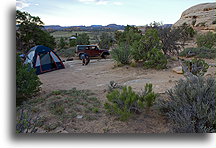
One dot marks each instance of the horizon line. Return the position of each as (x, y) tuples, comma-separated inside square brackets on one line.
[(100, 25)]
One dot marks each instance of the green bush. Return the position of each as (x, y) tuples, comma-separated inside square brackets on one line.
[(122, 54), (123, 103), (72, 43), (206, 40), (155, 59), (129, 36), (197, 67), (169, 40), (106, 41), (191, 106), (83, 39), (200, 52), (141, 47), (126, 102), (27, 82), (62, 43), (29, 32), (185, 33), (148, 96)]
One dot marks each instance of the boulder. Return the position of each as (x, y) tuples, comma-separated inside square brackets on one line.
[(178, 70)]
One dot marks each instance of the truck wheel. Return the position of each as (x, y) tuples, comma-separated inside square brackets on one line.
[(104, 56)]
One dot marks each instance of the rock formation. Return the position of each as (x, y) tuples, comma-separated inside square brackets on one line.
[(201, 17)]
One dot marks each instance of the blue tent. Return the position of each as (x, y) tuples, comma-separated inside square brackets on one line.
[(43, 59)]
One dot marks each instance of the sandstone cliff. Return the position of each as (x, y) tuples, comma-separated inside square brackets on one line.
[(201, 17)]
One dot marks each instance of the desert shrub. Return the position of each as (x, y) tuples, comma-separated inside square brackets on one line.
[(186, 32), (197, 67), (83, 39), (129, 36), (206, 40), (62, 43), (123, 103), (126, 102), (72, 43), (122, 54), (106, 40), (200, 52), (169, 40), (191, 106), (148, 41), (148, 96), (155, 59), (27, 82)]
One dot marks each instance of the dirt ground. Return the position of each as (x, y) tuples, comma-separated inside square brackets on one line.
[(96, 77)]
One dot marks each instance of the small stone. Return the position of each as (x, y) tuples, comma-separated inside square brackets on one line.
[(64, 132), (178, 70), (79, 116)]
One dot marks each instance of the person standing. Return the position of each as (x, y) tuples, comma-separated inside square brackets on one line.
[(85, 59)]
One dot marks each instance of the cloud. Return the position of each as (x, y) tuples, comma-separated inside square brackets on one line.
[(100, 2), (20, 4), (117, 3)]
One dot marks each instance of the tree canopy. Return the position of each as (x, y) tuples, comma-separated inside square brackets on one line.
[(29, 32)]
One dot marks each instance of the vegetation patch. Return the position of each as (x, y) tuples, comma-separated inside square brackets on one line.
[(123, 103), (200, 52), (122, 54), (197, 67), (27, 82), (207, 40), (191, 106), (63, 106)]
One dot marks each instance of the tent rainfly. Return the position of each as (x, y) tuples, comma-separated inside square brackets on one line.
[(43, 59)]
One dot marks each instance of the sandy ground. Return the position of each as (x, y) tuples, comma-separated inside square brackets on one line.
[(96, 77)]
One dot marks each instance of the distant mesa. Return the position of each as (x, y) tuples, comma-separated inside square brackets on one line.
[(202, 17), (112, 27)]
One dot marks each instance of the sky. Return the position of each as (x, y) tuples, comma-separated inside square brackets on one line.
[(104, 12)]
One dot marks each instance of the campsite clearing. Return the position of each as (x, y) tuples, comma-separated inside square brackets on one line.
[(96, 77)]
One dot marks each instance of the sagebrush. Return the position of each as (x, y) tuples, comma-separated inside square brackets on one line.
[(191, 106)]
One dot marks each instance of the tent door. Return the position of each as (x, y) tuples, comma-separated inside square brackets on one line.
[(47, 63)]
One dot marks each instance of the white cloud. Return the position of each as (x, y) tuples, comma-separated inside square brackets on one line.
[(97, 2), (20, 4), (85, 1), (102, 2), (117, 3)]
